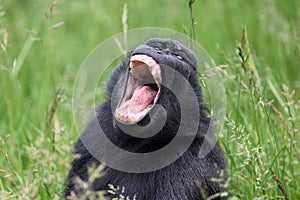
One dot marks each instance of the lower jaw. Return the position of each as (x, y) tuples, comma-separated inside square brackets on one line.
[(131, 117)]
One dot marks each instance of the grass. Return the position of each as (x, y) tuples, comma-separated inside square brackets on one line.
[(43, 44)]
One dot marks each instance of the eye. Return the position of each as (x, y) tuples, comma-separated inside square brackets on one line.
[(178, 56), (158, 50)]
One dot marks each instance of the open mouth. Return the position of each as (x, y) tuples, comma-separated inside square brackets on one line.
[(142, 89)]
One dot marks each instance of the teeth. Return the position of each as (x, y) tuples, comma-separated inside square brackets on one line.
[(124, 115), (155, 71), (147, 64)]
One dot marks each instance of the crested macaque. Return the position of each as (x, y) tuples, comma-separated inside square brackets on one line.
[(147, 84)]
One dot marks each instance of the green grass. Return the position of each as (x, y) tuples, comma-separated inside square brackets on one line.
[(263, 107)]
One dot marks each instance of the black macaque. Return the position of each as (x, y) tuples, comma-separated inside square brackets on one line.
[(189, 177)]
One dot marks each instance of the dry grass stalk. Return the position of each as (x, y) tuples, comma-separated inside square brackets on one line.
[(124, 23), (286, 126), (50, 114), (280, 185)]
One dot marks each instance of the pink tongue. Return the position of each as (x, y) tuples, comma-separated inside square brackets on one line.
[(141, 99)]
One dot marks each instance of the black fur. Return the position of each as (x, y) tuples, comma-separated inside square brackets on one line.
[(178, 181)]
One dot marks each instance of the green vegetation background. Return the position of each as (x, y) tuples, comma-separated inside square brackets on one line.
[(43, 45)]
